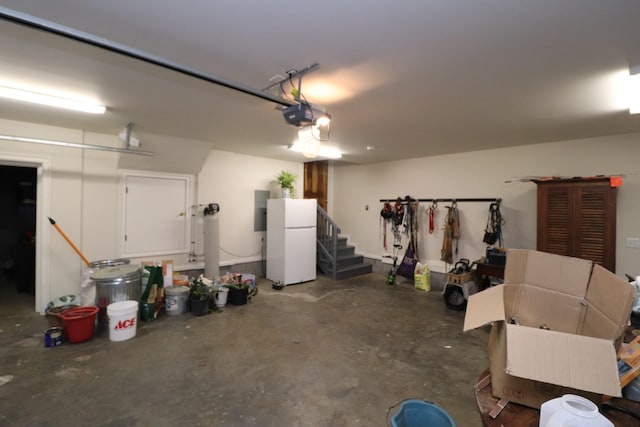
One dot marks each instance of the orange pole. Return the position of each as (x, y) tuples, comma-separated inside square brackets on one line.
[(86, 261)]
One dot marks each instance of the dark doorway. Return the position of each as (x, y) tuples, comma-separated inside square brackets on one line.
[(18, 187)]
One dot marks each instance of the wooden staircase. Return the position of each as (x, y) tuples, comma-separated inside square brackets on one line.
[(335, 258)]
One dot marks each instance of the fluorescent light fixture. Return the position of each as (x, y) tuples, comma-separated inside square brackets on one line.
[(50, 100), (634, 93), (74, 145)]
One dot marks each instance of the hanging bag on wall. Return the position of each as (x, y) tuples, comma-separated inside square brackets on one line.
[(386, 215), (408, 264), (398, 213), (493, 230), (387, 211)]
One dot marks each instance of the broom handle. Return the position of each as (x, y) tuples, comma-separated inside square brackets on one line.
[(86, 261)]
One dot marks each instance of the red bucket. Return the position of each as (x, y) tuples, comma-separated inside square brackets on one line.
[(79, 323)]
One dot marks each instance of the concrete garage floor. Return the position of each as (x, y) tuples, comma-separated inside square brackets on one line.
[(322, 353)]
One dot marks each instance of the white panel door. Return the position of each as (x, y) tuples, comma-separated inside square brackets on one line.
[(156, 220)]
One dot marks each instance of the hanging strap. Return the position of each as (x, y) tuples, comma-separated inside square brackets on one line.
[(446, 253), (384, 232), (496, 221), (432, 213), (398, 210), (455, 220), (414, 226)]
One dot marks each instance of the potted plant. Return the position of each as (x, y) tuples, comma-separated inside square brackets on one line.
[(286, 180), (238, 293), (241, 289), (199, 294)]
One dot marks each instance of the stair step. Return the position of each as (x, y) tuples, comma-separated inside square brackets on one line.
[(353, 271), (342, 242), (346, 251), (349, 260)]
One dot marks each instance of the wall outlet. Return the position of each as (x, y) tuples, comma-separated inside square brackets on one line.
[(633, 242)]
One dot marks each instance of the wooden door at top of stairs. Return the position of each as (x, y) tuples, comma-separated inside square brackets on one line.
[(316, 178)]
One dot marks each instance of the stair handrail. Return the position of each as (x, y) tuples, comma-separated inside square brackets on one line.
[(327, 237)]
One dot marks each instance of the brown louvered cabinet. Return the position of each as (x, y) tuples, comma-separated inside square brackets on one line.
[(577, 218)]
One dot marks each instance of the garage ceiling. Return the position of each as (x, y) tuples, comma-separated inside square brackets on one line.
[(410, 78)]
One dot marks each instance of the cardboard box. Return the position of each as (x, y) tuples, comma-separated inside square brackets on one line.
[(629, 362), (459, 278), (585, 308)]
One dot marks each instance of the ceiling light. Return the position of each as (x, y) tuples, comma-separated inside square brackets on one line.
[(326, 152), (330, 153), (308, 143), (634, 91), (312, 148), (323, 120), (51, 100), (320, 132)]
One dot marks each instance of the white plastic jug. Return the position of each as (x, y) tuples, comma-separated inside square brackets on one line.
[(571, 410)]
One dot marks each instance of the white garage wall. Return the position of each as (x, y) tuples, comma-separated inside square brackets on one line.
[(84, 197), (231, 180), (101, 201), (483, 174)]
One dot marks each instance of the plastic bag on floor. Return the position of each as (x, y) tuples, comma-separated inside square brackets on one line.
[(421, 277), (87, 287)]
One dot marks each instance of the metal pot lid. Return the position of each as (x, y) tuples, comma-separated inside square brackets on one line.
[(109, 262), (176, 290), (116, 272)]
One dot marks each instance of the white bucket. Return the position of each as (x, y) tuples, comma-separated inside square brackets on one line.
[(571, 410), (220, 297), (123, 320), (175, 300)]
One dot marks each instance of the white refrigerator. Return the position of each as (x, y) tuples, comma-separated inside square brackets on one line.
[(291, 240)]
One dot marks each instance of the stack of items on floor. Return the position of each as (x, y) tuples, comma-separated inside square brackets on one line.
[(557, 324), (209, 295), (115, 295)]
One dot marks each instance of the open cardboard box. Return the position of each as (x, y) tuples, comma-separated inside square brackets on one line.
[(585, 308)]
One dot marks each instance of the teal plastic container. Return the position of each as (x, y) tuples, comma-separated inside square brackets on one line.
[(418, 413)]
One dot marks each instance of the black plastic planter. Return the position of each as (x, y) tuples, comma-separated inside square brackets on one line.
[(238, 296), (199, 307)]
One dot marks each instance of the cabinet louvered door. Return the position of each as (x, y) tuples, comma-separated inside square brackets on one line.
[(578, 218), (595, 224), (554, 228)]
